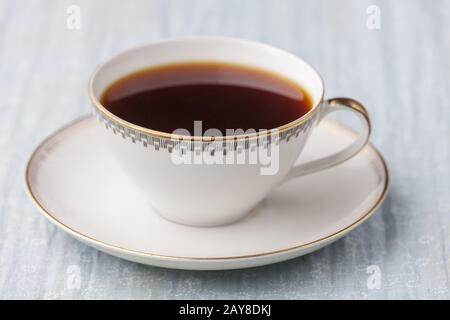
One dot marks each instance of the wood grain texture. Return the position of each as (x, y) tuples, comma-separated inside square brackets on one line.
[(401, 73)]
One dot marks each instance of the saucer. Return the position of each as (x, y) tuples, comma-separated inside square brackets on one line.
[(77, 184)]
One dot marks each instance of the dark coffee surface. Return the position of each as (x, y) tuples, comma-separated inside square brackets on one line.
[(222, 96)]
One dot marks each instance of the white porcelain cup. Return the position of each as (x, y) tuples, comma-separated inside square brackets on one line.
[(211, 192)]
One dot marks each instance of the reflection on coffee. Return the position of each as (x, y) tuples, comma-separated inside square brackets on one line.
[(222, 96)]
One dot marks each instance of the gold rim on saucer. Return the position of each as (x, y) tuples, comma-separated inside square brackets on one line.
[(100, 243)]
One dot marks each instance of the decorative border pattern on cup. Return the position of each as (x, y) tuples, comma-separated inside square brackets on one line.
[(159, 143), (40, 205)]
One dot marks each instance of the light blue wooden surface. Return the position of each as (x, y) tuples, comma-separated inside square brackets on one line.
[(400, 71)]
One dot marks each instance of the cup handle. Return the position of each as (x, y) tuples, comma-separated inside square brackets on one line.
[(329, 106)]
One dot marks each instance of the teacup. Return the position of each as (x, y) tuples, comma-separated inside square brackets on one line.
[(214, 192)]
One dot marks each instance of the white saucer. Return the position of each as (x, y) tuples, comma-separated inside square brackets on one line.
[(79, 187)]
